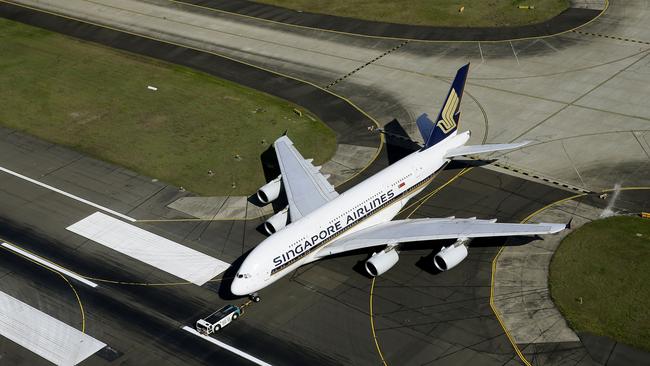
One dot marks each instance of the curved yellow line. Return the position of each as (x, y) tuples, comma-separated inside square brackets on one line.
[(537, 212), (372, 325), (492, 275), (494, 269), (494, 262), (147, 283), (81, 308), (196, 219), (372, 286), (103, 279), (386, 37), (424, 199), (498, 316)]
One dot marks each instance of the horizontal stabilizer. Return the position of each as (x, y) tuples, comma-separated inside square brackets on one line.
[(480, 149)]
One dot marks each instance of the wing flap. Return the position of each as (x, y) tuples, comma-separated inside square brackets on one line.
[(400, 231), (307, 189)]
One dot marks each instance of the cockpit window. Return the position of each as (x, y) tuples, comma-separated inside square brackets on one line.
[(243, 275)]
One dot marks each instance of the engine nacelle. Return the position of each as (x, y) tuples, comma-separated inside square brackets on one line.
[(449, 257), (276, 222), (381, 262), (270, 191)]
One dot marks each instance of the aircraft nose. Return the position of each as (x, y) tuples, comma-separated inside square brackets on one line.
[(238, 287)]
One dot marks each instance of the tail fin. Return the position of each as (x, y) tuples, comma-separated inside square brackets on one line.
[(449, 116)]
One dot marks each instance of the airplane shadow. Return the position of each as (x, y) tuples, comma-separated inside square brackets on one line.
[(398, 142), (223, 289), (511, 241), (271, 170), (399, 145), (426, 264), (467, 163)]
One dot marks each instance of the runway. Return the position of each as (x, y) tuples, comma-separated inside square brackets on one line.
[(442, 318), (321, 314), (143, 322)]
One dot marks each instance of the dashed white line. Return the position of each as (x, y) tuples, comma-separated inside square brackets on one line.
[(227, 347), (49, 264), (69, 195)]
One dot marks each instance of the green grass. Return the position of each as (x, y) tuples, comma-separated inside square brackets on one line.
[(606, 265), (95, 100), (477, 13)]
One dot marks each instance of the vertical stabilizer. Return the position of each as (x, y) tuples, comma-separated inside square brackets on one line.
[(449, 116)]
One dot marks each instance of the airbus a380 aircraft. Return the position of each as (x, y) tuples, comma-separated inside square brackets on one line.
[(324, 223)]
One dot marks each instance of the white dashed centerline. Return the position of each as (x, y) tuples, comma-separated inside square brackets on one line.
[(48, 264), (227, 347), (69, 195)]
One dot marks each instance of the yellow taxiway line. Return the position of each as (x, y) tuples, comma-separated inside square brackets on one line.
[(516, 348)]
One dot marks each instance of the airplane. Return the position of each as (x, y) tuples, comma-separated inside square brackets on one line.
[(324, 223)]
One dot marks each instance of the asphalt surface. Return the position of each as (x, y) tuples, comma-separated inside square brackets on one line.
[(568, 19), (319, 315), (143, 323)]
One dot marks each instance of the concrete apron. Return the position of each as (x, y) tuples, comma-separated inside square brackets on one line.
[(521, 293)]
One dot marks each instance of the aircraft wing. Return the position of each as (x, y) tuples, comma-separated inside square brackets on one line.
[(401, 231), (479, 149), (307, 189)]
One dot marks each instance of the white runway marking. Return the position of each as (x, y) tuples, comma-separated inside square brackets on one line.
[(149, 248), (514, 53), (49, 264), (227, 347), (53, 189), (44, 335)]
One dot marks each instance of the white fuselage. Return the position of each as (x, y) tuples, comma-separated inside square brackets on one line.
[(376, 200)]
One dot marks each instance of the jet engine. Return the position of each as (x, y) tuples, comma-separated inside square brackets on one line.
[(270, 191), (449, 257), (276, 222), (381, 262)]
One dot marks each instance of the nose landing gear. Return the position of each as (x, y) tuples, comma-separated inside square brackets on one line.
[(254, 297)]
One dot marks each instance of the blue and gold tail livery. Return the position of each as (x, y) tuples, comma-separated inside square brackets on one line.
[(449, 116)]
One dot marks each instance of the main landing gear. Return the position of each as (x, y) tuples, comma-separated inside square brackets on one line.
[(254, 297)]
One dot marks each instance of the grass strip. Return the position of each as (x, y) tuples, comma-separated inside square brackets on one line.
[(96, 100), (599, 279)]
